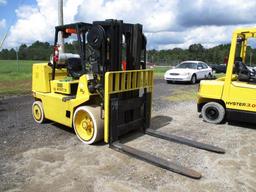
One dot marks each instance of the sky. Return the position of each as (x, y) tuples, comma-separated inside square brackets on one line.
[(166, 23)]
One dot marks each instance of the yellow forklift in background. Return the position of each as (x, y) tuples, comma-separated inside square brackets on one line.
[(103, 89), (232, 97)]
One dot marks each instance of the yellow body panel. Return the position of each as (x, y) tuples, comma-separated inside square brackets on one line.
[(242, 96), (41, 76), (210, 89), (62, 86), (234, 93), (56, 108)]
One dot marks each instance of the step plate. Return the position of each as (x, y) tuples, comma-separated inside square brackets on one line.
[(184, 141), (155, 160)]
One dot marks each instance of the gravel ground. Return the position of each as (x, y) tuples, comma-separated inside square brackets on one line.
[(49, 157)]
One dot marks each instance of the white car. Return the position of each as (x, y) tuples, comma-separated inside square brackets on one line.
[(188, 71)]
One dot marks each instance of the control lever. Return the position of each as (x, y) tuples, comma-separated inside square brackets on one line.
[(99, 90)]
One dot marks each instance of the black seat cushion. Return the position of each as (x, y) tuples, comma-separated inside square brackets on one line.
[(74, 67)]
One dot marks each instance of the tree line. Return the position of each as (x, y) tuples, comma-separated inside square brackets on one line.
[(36, 51), (194, 52), (43, 50), (215, 55)]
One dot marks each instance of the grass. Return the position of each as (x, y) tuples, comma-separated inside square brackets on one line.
[(15, 78), (159, 71), (218, 75)]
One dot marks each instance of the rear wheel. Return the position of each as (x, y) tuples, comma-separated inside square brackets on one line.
[(38, 112), (209, 76), (88, 124), (213, 112)]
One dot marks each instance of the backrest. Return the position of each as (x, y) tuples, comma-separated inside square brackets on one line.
[(74, 67)]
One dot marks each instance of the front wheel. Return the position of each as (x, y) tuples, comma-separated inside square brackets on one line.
[(213, 112), (88, 124), (209, 76), (193, 79)]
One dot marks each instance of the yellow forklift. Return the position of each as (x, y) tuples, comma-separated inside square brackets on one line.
[(232, 97), (103, 90)]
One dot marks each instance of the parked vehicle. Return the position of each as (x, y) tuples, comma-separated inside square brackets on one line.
[(188, 71), (219, 68)]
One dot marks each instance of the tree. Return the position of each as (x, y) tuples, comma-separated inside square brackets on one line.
[(197, 51), (23, 52)]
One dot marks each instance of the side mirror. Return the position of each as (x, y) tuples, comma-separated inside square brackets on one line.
[(199, 68)]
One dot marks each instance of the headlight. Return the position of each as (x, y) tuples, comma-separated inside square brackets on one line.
[(187, 73)]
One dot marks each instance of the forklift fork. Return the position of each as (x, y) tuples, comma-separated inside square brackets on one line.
[(155, 160), (127, 107), (185, 141)]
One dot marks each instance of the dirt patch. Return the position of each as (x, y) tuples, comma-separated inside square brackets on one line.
[(15, 87)]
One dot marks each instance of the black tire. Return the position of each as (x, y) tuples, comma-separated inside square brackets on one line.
[(193, 79), (168, 82), (213, 112), (209, 76)]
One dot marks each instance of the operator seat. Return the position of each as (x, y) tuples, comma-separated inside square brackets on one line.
[(244, 74), (74, 67)]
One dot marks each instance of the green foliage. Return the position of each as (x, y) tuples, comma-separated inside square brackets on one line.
[(194, 52), (8, 54), (36, 51), (215, 55), (43, 50)]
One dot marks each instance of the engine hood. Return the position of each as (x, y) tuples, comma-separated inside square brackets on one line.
[(181, 71)]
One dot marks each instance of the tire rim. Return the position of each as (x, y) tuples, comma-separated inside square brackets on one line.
[(84, 125), (212, 113), (193, 79), (37, 112)]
